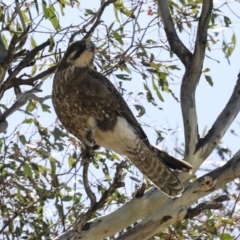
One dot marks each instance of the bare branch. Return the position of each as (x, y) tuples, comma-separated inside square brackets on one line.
[(86, 159), (215, 204), (174, 41), (222, 123), (30, 81), (82, 224), (19, 103), (9, 83), (97, 16)]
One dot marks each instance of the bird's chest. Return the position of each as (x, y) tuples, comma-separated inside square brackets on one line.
[(79, 106)]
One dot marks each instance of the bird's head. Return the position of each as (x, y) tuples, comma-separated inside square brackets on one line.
[(80, 54)]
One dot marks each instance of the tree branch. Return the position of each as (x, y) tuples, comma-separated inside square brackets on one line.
[(30, 81), (189, 84), (82, 224), (175, 43), (19, 103), (97, 16), (176, 209), (172, 211), (222, 123), (215, 204), (9, 83)]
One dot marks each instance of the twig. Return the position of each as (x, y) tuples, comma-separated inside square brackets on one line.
[(24, 97), (9, 83), (24, 39), (215, 204), (235, 204), (140, 191), (97, 16), (82, 224), (30, 81), (87, 188)]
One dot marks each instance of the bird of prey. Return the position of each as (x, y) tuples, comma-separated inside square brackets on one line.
[(90, 107)]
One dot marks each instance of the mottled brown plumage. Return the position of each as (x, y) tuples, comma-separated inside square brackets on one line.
[(88, 104)]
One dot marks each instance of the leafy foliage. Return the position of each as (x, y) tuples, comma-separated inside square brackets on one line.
[(42, 191)]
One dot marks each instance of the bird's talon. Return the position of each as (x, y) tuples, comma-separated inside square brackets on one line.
[(87, 138)]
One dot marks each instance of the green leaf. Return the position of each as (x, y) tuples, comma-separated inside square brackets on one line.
[(33, 42), (53, 18), (25, 17), (5, 41), (123, 77), (209, 79), (62, 6), (118, 37), (28, 120), (159, 138), (45, 10), (227, 21), (206, 70), (53, 162), (135, 179), (31, 105), (22, 139), (27, 170), (71, 162), (34, 69), (149, 94), (226, 236), (157, 90), (141, 110), (88, 12), (56, 133), (45, 108), (52, 44), (67, 198), (36, 5)]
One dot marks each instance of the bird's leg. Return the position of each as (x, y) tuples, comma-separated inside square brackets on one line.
[(87, 138)]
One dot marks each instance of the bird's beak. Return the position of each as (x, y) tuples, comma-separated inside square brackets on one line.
[(91, 46)]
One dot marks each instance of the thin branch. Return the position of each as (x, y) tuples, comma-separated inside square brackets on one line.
[(215, 204), (175, 43), (30, 81), (82, 224), (233, 209), (9, 83), (19, 103), (87, 188), (97, 16)]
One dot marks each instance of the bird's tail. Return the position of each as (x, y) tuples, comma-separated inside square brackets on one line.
[(172, 162), (155, 169)]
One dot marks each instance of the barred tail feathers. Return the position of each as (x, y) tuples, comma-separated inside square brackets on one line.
[(172, 162), (155, 169)]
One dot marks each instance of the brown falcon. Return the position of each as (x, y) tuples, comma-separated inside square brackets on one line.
[(89, 106)]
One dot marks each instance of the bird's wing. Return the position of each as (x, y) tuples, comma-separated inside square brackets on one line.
[(121, 107)]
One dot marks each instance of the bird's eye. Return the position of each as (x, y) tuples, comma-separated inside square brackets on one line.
[(80, 45)]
